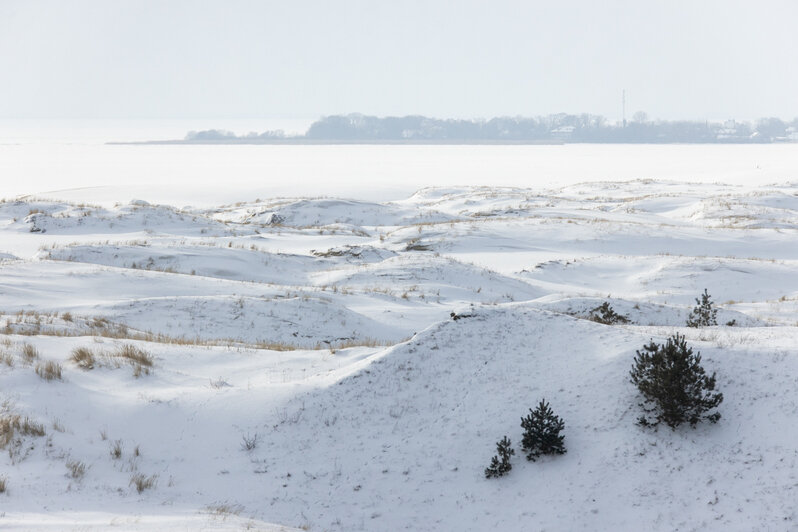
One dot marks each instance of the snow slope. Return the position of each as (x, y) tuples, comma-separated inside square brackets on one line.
[(307, 372)]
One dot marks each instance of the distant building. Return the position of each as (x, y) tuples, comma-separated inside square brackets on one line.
[(563, 132)]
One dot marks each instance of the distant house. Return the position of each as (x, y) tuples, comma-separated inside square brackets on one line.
[(792, 134), (563, 132)]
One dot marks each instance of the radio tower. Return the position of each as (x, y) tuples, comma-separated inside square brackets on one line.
[(623, 106)]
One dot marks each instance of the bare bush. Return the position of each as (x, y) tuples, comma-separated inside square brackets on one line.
[(248, 442), (3, 484)]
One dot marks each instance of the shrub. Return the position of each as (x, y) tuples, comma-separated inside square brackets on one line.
[(606, 315), (703, 315), (542, 432), (3, 484), (83, 357), (500, 464), (49, 370), (675, 387)]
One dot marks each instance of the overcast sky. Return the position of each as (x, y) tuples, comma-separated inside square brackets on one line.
[(701, 59)]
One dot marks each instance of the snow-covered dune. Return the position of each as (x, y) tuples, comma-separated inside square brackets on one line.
[(331, 364)]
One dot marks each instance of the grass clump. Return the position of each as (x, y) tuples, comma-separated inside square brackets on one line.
[(141, 360), (29, 353), (83, 357), (76, 468), (49, 370), (13, 424), (116, 450), (143, 482)]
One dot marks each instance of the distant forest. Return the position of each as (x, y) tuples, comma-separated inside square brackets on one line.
[(558, 128)]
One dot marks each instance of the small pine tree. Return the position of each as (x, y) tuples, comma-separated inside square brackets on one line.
[(605, 314), (500, 464), (675, 386), (703, 315), (542, 432)]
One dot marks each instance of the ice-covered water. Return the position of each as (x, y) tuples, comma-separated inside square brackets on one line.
[(50, 160)]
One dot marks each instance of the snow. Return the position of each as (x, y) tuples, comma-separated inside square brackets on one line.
[(320, 330), (81, 166)]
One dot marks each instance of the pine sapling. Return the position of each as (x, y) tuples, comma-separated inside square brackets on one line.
[(675, 387), (703, 315), (605, 314), (542, 432), (500, 464)]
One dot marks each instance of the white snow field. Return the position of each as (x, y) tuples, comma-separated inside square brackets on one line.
[(292, 363)]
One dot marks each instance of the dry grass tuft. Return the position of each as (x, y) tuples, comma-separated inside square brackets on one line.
[(31, 428), (9, 423), (76, 469), (83, 357), (224, 509), (141, 360), (13, 424), (142, 481), (49, 370), (135, 355), (29, 353), (116, 450)]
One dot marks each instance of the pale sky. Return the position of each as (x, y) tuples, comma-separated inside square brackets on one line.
[(698, 59)]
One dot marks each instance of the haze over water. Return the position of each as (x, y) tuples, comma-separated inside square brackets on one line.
[(56, 158)]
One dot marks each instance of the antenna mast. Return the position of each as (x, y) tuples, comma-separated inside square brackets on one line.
[(623, 106)]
